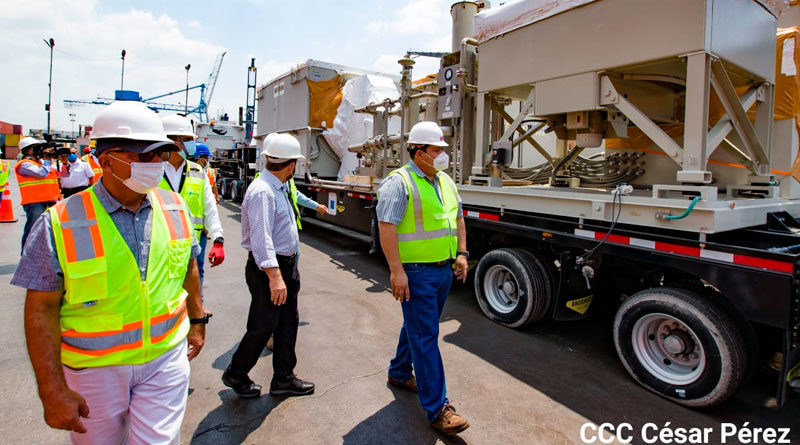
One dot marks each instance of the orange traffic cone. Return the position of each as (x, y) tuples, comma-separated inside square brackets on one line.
[(6, 206)]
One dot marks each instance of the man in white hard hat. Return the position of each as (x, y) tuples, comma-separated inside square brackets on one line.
[(191, 181), (109, 326), (424, 240), (269, 233), (37, 180), (298, 198)]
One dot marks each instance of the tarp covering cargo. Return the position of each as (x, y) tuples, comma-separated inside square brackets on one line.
[(351, 128), (325, 97), (493, 22)]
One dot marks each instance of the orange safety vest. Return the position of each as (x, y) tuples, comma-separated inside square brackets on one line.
[(212, 176), (96, 169), (35, 189)]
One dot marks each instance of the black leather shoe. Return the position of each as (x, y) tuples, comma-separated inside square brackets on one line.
[(291, 387), (244, 388)]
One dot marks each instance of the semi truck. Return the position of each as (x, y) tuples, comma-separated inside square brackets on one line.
[(637, 152)]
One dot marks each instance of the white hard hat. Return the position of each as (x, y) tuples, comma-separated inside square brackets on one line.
[(265, 143), (28, 141), (128, 120), (282, 147), (426, 133), (177, 125)]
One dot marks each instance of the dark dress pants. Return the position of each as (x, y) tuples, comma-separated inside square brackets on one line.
[(266, 319)]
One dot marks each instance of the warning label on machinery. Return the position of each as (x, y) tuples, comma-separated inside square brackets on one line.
[(581, 305)]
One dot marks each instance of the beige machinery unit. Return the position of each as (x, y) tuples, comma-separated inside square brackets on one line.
[(301, 102), (594, 68)]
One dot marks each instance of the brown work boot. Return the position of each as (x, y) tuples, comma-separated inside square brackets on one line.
[(409, 385), (449, 422)]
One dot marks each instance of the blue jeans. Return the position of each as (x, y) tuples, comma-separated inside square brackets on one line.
[(418, 346), (32, 213), (201, 259)]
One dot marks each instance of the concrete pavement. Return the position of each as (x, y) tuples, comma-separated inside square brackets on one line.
[(538, 385)]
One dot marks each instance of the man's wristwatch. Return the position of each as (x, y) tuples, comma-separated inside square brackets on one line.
[(203, 320), (220, 240), (463, 252)]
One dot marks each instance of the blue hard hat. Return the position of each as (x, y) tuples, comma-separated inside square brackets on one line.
[(201, 149)]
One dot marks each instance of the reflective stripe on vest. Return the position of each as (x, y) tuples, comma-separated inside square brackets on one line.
[(193, 192), (109, 316), (79, 229), (175, 214), (104, 342), (428, 234), (164, 324)]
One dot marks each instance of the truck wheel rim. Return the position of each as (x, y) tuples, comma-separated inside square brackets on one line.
[(501, 289), (668, 349)]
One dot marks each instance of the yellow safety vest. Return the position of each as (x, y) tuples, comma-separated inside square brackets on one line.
[(193, 192), (109, 316), (4, 174), (428, 231), (293, 194)]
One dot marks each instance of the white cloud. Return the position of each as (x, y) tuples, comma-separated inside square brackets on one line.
[(87, 58), (425, 17)]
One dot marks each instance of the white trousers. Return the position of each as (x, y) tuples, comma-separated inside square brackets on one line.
[(136, 404)]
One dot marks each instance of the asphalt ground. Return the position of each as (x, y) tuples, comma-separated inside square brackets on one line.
[(534, 386)]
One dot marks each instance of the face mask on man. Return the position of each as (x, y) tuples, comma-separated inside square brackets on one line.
[(145, 176), (440, 162)]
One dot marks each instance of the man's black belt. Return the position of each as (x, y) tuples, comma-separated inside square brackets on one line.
[(436, 263), (284, 258)]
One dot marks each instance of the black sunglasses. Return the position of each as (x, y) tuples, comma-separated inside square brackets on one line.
[(145, 157)]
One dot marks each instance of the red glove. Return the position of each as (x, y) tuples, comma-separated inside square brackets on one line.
[(217, 255)]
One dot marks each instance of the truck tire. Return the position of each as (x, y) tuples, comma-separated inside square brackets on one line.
[(226, 188), (237, 191), (513, 287), (681, 346)]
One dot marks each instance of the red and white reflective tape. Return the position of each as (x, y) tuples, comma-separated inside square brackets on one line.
[(735, 258), (361, 196), (481, 215)]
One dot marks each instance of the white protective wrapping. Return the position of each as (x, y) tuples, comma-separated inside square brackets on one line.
[(349, 127), (493, 22)]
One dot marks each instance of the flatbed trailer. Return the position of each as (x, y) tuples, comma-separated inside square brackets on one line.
[(728, 302), (683, 227)]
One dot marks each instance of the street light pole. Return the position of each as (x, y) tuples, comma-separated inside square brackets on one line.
[(186, 105), (51, 43), (122, 76)]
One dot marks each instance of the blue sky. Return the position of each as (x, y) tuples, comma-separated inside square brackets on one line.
[(161, 37)]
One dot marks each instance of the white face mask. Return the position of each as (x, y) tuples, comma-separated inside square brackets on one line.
[(440, 162), (145, 176)]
